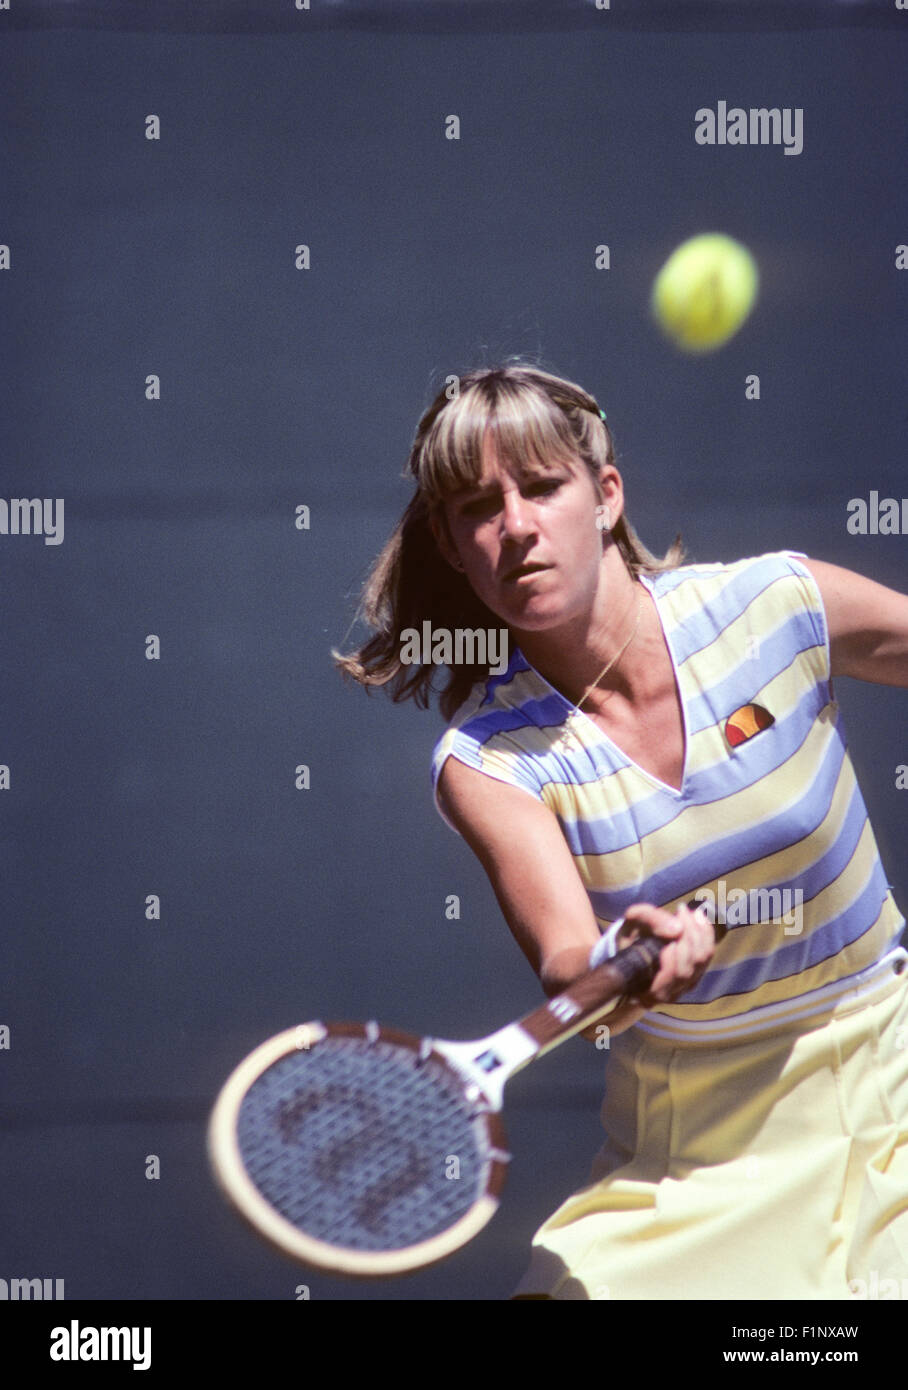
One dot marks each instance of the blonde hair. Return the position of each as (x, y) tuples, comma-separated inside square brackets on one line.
[(537, 420)]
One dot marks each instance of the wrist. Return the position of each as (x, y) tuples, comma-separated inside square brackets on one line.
[(621, 933)]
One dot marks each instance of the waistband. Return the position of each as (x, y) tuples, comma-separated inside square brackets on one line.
[(810, 1010)]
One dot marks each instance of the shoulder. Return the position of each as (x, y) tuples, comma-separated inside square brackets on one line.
[(749, 575), (504, 727), (779, 582), (499, 708), (761, 605)]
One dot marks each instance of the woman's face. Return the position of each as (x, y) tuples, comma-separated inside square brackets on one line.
[(531, 546)]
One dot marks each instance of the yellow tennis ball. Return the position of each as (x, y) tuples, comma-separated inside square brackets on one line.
[(705, 291)]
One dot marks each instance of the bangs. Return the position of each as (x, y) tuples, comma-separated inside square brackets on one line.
[(531, 434)]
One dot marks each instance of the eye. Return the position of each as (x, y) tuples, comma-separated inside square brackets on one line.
[(479, 506), (544, 487)]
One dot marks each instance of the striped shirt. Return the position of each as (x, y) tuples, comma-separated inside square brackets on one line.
[(768, 826)]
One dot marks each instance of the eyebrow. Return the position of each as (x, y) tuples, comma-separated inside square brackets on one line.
[(535, 474), (475, 490)]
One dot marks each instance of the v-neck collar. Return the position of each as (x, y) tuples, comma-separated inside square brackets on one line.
[(577, 716)]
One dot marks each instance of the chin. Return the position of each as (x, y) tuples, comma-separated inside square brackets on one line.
[(537, 618), (533, 612)]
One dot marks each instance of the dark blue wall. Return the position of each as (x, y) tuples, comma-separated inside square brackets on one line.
[(280, 387)]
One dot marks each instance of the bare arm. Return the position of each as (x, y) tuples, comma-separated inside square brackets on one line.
[(868, 625), (520, 845)]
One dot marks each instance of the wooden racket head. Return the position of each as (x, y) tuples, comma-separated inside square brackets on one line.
[(357, 1149)]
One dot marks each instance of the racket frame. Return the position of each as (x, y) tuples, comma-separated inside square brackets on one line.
[(257, 1211), (480, 1069)]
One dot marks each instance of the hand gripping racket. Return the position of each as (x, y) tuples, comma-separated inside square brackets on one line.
[(362, 1150)]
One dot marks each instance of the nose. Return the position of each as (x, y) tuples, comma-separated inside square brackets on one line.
[(516, 516)]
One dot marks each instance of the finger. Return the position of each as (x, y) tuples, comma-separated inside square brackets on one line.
[(655, 919), (704, 934), (699, 930), (667, 974), (690, 941), (683, 962)]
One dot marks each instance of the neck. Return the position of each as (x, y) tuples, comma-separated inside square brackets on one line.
[(572, 657)]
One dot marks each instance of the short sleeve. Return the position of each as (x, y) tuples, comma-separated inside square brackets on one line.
[(494, 756), (815, 610)]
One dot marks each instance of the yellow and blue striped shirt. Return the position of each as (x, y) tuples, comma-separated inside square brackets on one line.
[(769, 824)]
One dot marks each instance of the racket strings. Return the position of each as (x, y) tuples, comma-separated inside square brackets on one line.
[(363, 1144)]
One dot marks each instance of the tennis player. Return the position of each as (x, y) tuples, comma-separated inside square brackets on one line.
[(667, 732)]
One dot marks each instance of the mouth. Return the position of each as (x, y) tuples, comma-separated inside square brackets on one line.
[(524, 571)]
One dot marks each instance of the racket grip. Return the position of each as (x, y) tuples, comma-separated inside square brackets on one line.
[(625, 975), (628, 973), (638, 965)]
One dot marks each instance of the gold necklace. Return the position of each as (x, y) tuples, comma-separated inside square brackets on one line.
[(618, 655)]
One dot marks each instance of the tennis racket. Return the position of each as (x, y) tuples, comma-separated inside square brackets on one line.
[(362, 1150)]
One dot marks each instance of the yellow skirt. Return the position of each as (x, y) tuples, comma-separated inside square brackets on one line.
[(775, 1168)]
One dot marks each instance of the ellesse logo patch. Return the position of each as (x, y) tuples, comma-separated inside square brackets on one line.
[(746, 722)]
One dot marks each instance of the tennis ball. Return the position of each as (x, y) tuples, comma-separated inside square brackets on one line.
[(704, 292)]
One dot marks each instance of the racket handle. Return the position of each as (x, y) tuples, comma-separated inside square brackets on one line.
[(638, 965), (627, 973), (586, 999)]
